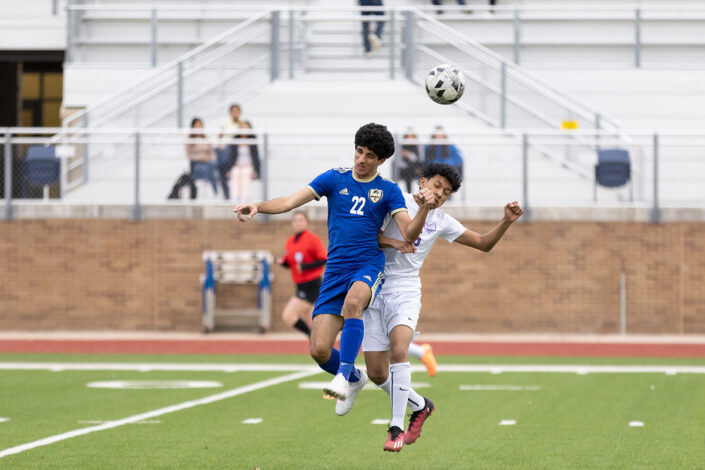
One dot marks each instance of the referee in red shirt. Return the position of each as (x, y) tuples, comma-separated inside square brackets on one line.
[(306, 257)]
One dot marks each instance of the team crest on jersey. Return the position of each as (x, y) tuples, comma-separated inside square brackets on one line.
[(375, 195), (430, 227)]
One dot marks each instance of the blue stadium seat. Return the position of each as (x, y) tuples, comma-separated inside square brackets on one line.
[(42, 167), (613, 170)]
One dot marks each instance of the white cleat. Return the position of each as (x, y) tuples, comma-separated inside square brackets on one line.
[(337, 388), (343, 406)]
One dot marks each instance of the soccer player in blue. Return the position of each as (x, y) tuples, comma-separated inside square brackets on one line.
[(358, 201)]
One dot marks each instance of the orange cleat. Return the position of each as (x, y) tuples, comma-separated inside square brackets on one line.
[(429, 360)]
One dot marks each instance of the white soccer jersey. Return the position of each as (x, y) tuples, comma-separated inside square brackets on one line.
[(401, 271)]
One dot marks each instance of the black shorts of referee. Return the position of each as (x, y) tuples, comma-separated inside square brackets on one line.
[(308, 291)]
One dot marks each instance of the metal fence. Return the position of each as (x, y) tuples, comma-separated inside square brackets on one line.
[(150, 167)]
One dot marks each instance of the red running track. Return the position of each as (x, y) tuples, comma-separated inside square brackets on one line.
[(151, 346)]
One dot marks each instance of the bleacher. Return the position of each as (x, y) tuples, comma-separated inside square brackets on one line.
[(588, 52)]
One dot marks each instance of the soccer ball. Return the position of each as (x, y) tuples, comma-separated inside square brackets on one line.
[(445, 84)]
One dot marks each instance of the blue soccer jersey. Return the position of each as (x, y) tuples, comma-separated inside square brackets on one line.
[(356, 211)]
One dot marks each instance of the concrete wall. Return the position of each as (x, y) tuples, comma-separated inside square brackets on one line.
[(558, 277)]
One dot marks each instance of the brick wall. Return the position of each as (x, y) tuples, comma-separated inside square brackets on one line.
[(542, 277)]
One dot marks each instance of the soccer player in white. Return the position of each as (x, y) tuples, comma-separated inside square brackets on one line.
[(391, 320)]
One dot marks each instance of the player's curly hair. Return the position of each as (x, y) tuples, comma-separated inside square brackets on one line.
[(377, 138), (448, 172)]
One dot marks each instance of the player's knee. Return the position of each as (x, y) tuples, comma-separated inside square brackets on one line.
[(378, 376), (319, 353), (352, 308), (398, 353)]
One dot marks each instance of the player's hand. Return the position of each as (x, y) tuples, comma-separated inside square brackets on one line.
[(404, 246), (512, 211), (245, 209), (429, 198)]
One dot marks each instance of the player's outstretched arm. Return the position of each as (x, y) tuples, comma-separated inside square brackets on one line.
[(388, 242), (486, 241), (274, 206), (411, 228)]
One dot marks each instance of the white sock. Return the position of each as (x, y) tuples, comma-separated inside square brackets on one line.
[(386, 385), (401, 384), (415, 350), (416, 402)]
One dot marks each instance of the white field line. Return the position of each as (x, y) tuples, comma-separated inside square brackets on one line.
[(499, 387), (491, 368), (161, 411)]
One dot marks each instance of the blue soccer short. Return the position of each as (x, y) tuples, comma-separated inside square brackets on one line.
[(336, 286)]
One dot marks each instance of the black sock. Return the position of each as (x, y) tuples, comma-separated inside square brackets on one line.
[(300, 325)]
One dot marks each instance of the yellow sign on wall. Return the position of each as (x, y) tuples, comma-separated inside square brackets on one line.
[(570, 125)]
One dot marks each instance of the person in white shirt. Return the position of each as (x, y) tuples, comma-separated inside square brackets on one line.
[(390, 322)]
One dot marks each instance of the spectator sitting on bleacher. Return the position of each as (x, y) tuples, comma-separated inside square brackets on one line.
[(201, 156), (410, 165), (245, 164), (441, 151)]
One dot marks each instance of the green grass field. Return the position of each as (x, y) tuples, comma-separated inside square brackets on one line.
[(562, 420)]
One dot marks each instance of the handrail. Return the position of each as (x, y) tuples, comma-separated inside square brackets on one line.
[(166, 67), (520, 73)]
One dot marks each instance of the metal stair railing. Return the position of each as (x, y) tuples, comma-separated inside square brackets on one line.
[(162, 95), (517, 93)]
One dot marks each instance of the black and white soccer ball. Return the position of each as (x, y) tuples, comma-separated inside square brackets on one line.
[(445, 84)]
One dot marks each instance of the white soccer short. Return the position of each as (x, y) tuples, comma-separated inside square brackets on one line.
[(387, 311)]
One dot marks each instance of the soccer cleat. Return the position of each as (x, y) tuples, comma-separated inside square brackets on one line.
[(343, 406), (375, 42), (328, 397), (429, 360), (337, 388), (416, 421), (395, 440)]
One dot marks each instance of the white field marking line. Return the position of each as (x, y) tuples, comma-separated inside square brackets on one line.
[(636, 424), (99, 421), (499, 387), (491, 368), (252, 421), (153, 384), (369, 386), (161, 411), (380, 421), (2, 420), (507, 422)]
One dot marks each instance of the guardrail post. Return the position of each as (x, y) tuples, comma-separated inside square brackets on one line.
[(69, 33), (392, 42), (503, 98), (136, 208), (409, 45), (8, 176), (153, 36), (656, 209), (525, 177), (274, 46), (598, 118), (291, 44), (180, 95), (517, 35), (637, 38), (85, 149), (264, 173)]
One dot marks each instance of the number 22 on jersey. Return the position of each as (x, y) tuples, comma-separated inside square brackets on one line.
[(358, 204)]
